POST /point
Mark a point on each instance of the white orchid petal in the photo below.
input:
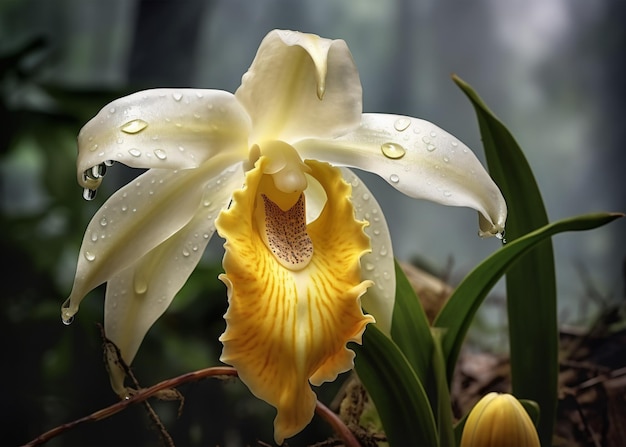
(301, 85)
(378, 265)
(138, 295)
(163, 128)
(137, 218)
(419, 159)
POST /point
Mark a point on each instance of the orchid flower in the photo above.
(307, 246)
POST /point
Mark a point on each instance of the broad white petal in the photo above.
(419, 159)
(378, 265)
(301, 85)
(163, 128)
(138, 295)
(137, 218)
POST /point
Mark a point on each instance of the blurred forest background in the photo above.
(552, 70)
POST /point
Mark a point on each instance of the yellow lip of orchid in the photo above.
(299, 105)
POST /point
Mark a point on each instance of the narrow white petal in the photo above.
(301, 85)
(419, 159)
(137, 218)
(378, 265)
(138, 295)
(163, 128)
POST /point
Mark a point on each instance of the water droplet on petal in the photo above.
(177, 96)
(383, 251)
(500, 235)
(454, 143)
(160, 154)
(369, 266)
(394, 178)
(67, 321)
(98, 170)
(431, 147)
(447, 193)
(140, 285)
(103, 222)
(433, 134)
(94, 237)
(89, 194)
(365, 196)
(186, 252)
(134, 126)
(134, 152)
(402, 124)
(90, 256)
(392, 150)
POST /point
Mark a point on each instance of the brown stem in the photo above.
(348, 438)
(141, 395)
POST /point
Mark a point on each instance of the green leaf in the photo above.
(457, 314)
(410, 329)
(396, 391)
(531, 283)
(442, 406)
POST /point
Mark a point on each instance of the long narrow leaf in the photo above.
(458, 312)
(396, 391)
(531, 283)
(410, 329)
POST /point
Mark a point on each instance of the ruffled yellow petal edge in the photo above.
(285, 327)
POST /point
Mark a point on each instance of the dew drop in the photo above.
(500, 235)
(134, 152)
(160, 154)
(94, 237)
(103, 222)
(446, 159)
(394, 178)
(98, 170)
(402, 124)
(369, 267)
(454, 143)
(124, 208)
(186, 252)
(134, 126)
(140, 285)
(90, 256)
(89, 194)
(67, 321)
(383, 251)
(447, 193)
(365, 197)
(177, 96)
(392, 150)
(112, 110)
(431, 147)
(433, 134)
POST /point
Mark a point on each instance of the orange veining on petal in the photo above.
(287, 327)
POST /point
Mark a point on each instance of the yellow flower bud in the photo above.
(499, 420)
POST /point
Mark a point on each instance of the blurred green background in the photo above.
(551, 69)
